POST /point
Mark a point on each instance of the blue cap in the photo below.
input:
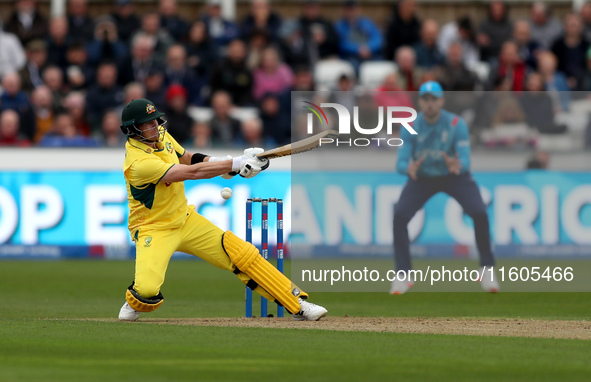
(431, 87)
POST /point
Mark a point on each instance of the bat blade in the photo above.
(300, 146)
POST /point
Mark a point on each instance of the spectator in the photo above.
(30, 74)
(494, 31)
(292, 99)
(276, 124)
(260, 17)
(10, 134)
(13, 97)
(53, 78)
(555, 82)
(539, 161)
(106, 44)
(488, 103)
(179, 122)
(233, 76)
(201, 51)
(104, 95)
(75, 105)
(293, 48)
(409, 75)
(545, 29)
(427, 52)
(79, 23)
(460, 31)
(528, 48)
(310, 37)
(177, 72)
(360, 38)
(318, 32)
(571, 51)
(201, 133)
(126, 20)
(273, 76)
(225, 129)
(586, 84)
(26, 22)
(131, 91)
(171, 21)
(256, 45)
(251, 132)
(585, 13)
(160, 38)
(508, 111)
(63, 134)
(12, 54)
(389, 93)
(78, 73)
(57, 42)
(141, 62)
(454, 75)
(111, 135)
(510, 67)
(403, 28)
(43, 111)
(303, 80)
(155, 91)
(344, 95)
(538, 107)
(221, 30)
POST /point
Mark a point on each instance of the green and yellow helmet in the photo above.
(141, 111)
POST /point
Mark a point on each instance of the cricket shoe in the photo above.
(402, 286)
(488, 280)
(309, 311)
(127, 313)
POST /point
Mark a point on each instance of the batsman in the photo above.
(437, 159)
(161, 222)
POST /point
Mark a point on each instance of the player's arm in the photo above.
(202, 170)
(404, 152)
(462, 144)
(192, 158)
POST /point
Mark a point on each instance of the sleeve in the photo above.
(347, 46)
(462, 144)
(404, 152)
(375, 37)
(147, 170)
(180, 150)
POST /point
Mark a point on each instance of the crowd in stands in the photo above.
(66, 79)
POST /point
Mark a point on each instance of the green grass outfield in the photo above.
(42, 338)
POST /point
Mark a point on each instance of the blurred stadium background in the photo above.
(223, 71)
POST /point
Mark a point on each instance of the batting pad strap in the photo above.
(247, 258)
(142, 304)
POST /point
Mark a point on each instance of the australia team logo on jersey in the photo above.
(169, 147)
(148, 241)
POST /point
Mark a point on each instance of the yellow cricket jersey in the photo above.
(153, 204)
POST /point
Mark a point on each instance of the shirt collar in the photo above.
(142, 146)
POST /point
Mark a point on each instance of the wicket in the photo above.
(265, 245)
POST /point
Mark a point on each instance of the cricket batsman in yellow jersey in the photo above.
(161, 222)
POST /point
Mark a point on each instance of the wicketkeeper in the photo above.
(161, 222)
(437, 159)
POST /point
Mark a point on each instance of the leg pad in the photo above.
(142, 304)
(247, 259)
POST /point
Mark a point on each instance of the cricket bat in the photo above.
(300, 146)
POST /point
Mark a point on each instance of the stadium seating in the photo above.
(373, 73)
(328, 72)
